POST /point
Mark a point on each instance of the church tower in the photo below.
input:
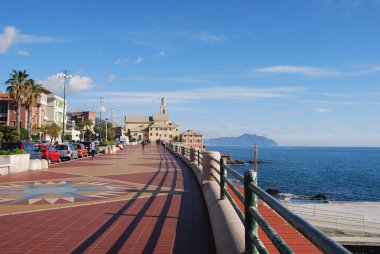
(163, 106)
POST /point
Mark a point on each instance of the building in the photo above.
(81, 116)
(39, 112)
(155, 127)
(191, 138)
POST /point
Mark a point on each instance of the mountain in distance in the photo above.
(243, 140)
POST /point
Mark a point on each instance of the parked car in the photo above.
(28, 147)
(82, 150)
(67, 151)
(49, 153)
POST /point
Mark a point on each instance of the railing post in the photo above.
(192, 154)
(223, 186)
(250, 199)
(199, 159)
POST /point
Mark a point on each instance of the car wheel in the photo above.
(49, 161)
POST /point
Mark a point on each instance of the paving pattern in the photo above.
(133, 201)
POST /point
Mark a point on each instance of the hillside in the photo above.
(245, 139)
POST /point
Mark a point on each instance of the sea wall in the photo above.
(227, 228)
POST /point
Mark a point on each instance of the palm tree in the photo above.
(87, 123)
(16, 89)
(32, 92)
(9, 134)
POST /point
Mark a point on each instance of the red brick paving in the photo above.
(290, 235)
(165, 222)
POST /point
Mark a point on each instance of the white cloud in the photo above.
(208, 38)
(316, 72)
(290, 113)
(22, 53)
(139, 60)
(75, 84)
(214, 93)
(322, 110)
(7, 38)
(121, 61)
(12, 36)
(160, 55)
(111, 78)
(303, 70)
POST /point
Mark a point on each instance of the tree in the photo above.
(87, 124)
(9, 134)
(53, 130)
(32, 91)
(16, 89)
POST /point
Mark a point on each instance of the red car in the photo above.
(49, 153)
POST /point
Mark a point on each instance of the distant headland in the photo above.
(243, 140)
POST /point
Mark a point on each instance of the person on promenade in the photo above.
(143, 144)
(93, 149)
(164, 144)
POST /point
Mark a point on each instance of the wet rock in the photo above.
(273, 192)
(319, 197)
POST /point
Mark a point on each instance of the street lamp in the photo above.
(106, 128)
(100, 100)
(65, 75)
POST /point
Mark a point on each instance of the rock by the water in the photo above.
(319, 197)
(273, 191)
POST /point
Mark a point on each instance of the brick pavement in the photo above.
(133, 201)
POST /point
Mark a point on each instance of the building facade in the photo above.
(155, 127)
(191, 138)
(39, 112)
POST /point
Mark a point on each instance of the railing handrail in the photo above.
(319, 239)
(325, 244)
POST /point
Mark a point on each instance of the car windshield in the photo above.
(78, 146)
(62, 147)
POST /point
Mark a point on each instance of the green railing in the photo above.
(251, 217)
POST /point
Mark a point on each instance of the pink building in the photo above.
(191, 138)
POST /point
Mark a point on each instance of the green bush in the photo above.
(107, 143)
(18, 151)
(14, 151)
(5, 152)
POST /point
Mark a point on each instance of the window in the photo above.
(156, 134)
(156, 129)
(151, 134)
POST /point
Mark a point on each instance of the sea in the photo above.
(340, 173)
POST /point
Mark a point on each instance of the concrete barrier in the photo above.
(18, 163)
(227, 228)
(208, 164)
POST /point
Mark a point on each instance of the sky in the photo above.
(304, 73)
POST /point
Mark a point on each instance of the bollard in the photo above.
(210, 161)
(109, 149)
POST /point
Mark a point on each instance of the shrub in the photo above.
(5, 152)
(107, 143)
(18, 151)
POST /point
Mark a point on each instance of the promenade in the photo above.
(133, 201)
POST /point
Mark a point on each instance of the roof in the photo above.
(139, 128)
(190, 132)
(164, 125)
(137, 119)
(160, 117)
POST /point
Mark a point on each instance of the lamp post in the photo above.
(106, 128)
(100, 100)
(65, 75)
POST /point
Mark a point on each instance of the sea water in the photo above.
(343, 174)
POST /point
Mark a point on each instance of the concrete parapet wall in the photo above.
(227, 228)
(20, 163)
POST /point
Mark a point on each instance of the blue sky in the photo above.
(305, 73)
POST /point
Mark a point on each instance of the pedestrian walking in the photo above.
(143, 144)
(164, 145)
(93, 149)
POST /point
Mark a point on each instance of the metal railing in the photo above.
(251, 217)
